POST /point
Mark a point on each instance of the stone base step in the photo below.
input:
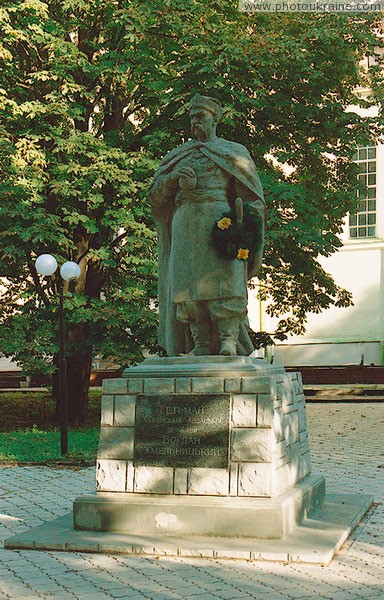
(315, 541)
(147, 514)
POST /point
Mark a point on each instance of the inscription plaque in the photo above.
(189, 430)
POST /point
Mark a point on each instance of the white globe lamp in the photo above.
(70, 271)
(46, 264)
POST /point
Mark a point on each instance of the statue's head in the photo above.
(204, 112)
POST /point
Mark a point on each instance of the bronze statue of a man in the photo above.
(203, 295)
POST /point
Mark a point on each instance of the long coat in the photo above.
(198, 273)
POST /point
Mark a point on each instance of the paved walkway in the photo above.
(347, 444)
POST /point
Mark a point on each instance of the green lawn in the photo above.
(28, 433)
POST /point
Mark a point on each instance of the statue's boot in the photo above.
(228, 335)
(201, 335)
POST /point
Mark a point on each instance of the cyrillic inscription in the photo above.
(189, 430)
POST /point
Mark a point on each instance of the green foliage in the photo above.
(27, 435)
(24, 410)
(92, 95)
(69, 185)
(43, 447)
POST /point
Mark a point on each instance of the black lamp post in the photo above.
(46, 265)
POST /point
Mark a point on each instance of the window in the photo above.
(363, 223)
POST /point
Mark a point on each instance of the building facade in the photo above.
(353, 335)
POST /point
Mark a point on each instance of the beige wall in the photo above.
(343, 335)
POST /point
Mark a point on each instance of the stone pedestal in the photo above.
(204, 457)
(214, 446)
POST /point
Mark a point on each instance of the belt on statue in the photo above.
(199, 198)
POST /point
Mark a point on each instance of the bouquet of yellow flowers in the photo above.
(238, 237)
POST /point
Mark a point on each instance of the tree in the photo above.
(93, 95)
(68, 187)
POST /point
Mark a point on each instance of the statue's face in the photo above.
(203, 124)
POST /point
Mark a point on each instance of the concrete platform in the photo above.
(148, 514)
(202, 366)
(315, 541)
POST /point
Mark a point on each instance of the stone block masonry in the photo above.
(268, 442)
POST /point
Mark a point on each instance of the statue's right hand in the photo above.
(187, 178)
(185, 172)
(183, 177)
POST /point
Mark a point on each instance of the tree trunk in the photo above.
(79, 371)
(79, 364)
